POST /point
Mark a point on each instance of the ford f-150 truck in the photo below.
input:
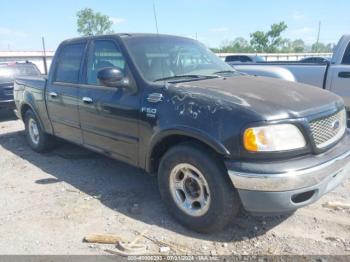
(333, 76)
(216, 139)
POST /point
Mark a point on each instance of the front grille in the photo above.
(6, 89)
(328, 130)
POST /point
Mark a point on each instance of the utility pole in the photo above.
(318, 35)
(44, 55)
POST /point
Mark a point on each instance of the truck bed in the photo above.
(312, 74)
(32, 89)
(38, 82)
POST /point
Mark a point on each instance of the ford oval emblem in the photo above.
(336, 125)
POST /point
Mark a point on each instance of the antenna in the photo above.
(155, 16)
(44, 55)
(318, 35)
(159, 45)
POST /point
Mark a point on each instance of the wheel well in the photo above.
(24, 109)
(164, 145)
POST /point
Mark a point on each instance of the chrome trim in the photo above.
(292, 180)
(33, 131)
(317, 126)
(155, 98)
(53, 94)
(190, 190)
(87, 100)
(6, 101)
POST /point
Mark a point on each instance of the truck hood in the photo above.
(271, 99)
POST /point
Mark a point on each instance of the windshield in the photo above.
(12, 71)
(165, 57)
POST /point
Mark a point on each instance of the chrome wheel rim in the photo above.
(189, 190)
(33, 131)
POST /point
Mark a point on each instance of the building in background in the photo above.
(36, 57)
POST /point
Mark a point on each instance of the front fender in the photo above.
(187, 132)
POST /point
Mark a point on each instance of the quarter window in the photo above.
(69, 63)
(104, 54)
(346, 58)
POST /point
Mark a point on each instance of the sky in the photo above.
(23, 23)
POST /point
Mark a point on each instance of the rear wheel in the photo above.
(37, 139)
(196, 189)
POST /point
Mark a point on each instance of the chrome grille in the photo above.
(327, 130)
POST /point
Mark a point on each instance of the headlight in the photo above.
(273, 138)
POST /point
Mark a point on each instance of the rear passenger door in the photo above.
(109, 115)
(62, 92)
(340, 78)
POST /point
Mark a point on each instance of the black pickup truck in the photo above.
(8, 72)
(216, 139)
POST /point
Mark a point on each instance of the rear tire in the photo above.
(195, 187)
(37, 139)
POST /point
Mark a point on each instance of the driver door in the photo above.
(108, 115)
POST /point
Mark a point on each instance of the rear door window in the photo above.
(346, 58)
(69, 63)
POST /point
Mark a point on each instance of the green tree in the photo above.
(270, 41)
(259, 41)
(91, 23)
(322, 48)
(239, 45)
(298, 46)
(286, 46)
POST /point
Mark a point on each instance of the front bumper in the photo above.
(283, 186)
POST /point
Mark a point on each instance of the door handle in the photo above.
(344, 74)
(53, 94)
(87, 100)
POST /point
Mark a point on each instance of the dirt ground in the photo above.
(49, 202)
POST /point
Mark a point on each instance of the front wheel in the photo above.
(196, 189)
(37, 139)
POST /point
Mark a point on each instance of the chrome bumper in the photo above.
(294, 179)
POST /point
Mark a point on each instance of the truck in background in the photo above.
(8, 72)
(333, 76)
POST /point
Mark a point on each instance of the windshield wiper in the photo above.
(184, 76)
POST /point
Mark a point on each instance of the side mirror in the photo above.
(112, 77)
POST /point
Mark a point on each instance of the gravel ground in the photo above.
(49, 202)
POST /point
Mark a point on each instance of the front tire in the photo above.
(196, 189)
(37, 139)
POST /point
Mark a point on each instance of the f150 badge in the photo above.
(152, 98)
(150, 112)
(336, 125)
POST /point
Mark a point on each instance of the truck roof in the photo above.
(123, 35)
